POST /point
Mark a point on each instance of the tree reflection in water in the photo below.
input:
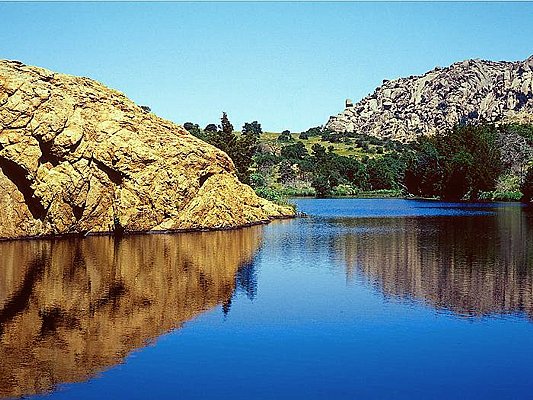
(471, 265)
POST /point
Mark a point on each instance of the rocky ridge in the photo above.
(78, 157)
(471, 90)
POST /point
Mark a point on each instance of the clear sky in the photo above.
(286, 65)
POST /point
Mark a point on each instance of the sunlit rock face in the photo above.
(78, 157)
(465, 265)
(71, 308)
(467, 91)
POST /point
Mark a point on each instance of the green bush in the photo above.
(257, 180)
(497, 195)
(275, 196)
(345, 190)
(269, 193)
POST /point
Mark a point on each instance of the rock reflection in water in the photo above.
(71, 308)
(471, 266)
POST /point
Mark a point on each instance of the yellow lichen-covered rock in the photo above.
(78, 157)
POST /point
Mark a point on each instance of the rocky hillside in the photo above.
(471, 90)
(78, 157)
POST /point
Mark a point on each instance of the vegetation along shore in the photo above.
(468, 162)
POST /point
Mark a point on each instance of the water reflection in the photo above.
(470, 265)
(71, 308)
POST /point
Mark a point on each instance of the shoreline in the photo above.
(80, 235)
(404, 197)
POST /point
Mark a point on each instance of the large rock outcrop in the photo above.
(472, 90)
(78, 157)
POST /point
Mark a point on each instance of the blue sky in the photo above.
(287, 65)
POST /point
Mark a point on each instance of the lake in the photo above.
(365, 298)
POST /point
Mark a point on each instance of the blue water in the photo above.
(365, 298)
(387, 208)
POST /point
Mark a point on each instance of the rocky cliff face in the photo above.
(471, 90)
(76, 156)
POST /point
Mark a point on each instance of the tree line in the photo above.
(468, 162)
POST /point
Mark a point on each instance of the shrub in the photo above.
(257, 180)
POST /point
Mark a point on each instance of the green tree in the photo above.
(243, 155)
(286, 172)
(384, 172)
(472, 160)
(315, 131)
(326, 171)
(211, 128)
(252, 128)
(424, 172)
(319, 154)
(458, 164)
(223, 137)
(527, 187)
(265, 160)
(285, 136)
(240, 148)
(296, 151)
(194, 130)
(322, 185)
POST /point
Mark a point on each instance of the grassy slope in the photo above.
(301, 189)
(342, 149)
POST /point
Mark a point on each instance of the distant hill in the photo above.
(471, 90)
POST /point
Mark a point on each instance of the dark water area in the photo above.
(366, 298)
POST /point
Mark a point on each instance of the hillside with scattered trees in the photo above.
(468, 162)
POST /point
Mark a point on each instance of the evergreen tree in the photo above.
(252, 128)
(224, 138)
(240, 148)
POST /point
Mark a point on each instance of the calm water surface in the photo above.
(364, 299)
